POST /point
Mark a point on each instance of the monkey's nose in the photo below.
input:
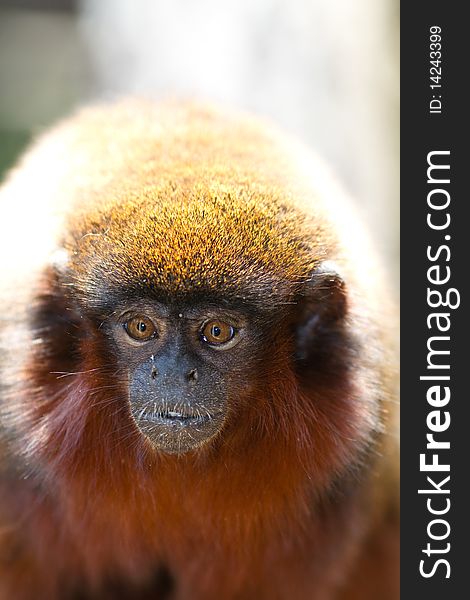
(192, 376)
(172, 371)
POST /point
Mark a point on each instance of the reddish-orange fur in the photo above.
(295, 499)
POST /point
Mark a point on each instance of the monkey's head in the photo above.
(201, 304)
(193, 306)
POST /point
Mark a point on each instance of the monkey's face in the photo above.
(207, 309)
(182, 364)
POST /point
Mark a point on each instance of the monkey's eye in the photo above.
(140, 328)
(217, 332)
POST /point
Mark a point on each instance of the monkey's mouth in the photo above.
(172, 417)
(176, 430)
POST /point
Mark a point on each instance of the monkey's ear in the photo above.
(322, 306)
(54, 317)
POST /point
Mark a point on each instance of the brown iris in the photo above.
(217, 332)
(140, 328)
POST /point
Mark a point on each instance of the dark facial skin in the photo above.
(180, 364)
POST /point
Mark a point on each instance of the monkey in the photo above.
(198, 367)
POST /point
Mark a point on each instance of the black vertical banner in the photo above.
(435, 251)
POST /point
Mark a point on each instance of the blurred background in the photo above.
(325, 70)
